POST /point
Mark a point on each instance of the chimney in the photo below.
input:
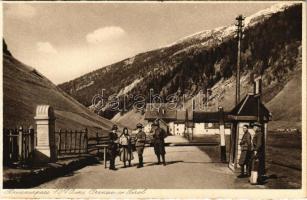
(258, 85)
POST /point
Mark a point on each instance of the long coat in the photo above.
(158, 141)
(258, 147)
(113, 145)
(126, 148)
(246, 148)
(140, 140)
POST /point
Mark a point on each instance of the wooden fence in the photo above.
(98, 140)
(19, 145)
(71, 142)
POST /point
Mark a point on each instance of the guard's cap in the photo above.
(257, 124)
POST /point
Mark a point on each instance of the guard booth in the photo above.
(247, 112)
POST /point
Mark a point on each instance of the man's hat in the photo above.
(139, 125)
(257, 124)
(114, 127)
(155, 123)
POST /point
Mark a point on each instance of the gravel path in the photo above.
(187, 167)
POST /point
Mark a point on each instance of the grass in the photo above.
(283, 157)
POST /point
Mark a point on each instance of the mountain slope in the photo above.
(24, 88)
(271, 47)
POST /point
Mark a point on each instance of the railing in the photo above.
(70, 142)
(19, 145)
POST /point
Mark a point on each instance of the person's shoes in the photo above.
(164, 164)
(113, 168)
(139, 166)
(159, 163)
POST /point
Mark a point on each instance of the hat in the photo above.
(156, 123)
(257, 124)
(139, 125)
(114, 127)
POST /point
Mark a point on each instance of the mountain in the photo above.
(271, 47)
(24, 88)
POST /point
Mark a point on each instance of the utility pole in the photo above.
(239, 25)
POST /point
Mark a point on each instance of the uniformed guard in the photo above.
(246, 151)
(158, 141)
(258, 149)
(140, 140)
(113, 145)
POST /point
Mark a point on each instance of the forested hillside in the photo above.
(271, 47)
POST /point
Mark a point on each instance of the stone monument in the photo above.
(45, 150)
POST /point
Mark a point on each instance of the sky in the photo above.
(66, 40)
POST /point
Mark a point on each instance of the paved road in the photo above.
(187, 167)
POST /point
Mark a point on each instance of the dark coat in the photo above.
(113, 145)
(140, 140)
(258, 147)
(158, 140)
(246, 148)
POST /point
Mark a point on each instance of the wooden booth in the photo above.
(247, 112)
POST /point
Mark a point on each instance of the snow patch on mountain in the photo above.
(129, 87)
(263, 14)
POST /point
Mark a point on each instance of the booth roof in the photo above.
(249, 107)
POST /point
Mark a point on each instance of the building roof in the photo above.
(200, 117)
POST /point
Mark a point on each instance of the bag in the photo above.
(253, 178)
(254, 171)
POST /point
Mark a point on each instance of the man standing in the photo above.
(258, 148)
(113, 147)
(140, 143)
(158, 141)
(246, 150)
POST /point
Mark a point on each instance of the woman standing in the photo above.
(126, 148)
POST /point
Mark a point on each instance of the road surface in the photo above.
(187, 167)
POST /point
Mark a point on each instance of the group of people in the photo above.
(252, 152)
(124, 145)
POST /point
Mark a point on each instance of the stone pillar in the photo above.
(222, 134)
(46, 150)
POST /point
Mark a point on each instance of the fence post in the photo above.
(65, 141)
(222, 134)
(60, 142)
(46, 150)
(80, 140)
(86, 140)
(20, 143)
(6, 151)
(76, 139)
(31, 135)
(97, 142)
(70, 145)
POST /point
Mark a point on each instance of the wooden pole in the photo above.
(222, 135)
(239, 25)
(20, 141)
